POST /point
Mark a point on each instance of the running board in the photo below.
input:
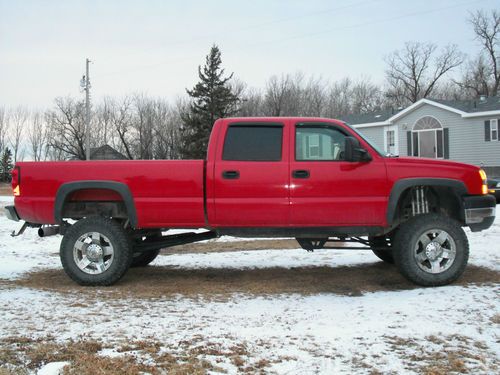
(173, 240)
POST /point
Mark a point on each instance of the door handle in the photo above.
(231, 175)
(300, 174)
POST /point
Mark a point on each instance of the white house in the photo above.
(466, 131)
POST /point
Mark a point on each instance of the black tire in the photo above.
(413, 259)
(144, 258)
(381, 248)
(77, 241)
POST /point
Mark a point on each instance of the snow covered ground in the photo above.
(453, 328)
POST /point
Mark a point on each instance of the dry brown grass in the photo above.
(5, 190)
(20, 355)
(455, 354)
(495, 319)
(156, 281)
(223, 247)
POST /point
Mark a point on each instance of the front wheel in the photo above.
(431, 250)
(96, 251)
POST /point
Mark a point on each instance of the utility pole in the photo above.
(86, 86)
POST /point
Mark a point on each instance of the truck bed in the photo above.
(164, 191)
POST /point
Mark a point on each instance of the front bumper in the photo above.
(479, 212)
(11, 213)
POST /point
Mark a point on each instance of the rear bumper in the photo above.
(11, 213)
(479, 212)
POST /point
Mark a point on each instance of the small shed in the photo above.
(106, 152)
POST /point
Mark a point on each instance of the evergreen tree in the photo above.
(6, 165)
(212, 98)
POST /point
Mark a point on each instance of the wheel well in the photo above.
(111, 199)
(87, 202)
(423, 199)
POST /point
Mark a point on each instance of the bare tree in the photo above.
(313, 98)
(18, 122)
(103, 124)
(365, 96)
(37, 137)
(338, 100)
(252, 103)
(67, 129)
(414, 72)
(121, 119)
(482, 75)
(277, 91)
(143, 126)
(4, 127)
(167, 122)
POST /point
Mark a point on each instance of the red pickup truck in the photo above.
(314, 179)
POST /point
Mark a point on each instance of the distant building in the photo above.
(106, 152)
(465, 131)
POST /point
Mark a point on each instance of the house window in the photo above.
(390, 139)
(494, 129)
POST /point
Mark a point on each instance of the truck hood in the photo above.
(438, 163)
(412, 167)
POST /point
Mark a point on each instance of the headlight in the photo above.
(484, 178)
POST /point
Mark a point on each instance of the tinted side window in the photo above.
(318, 143)
(253, 143)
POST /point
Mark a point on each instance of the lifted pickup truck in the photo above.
(314, 179)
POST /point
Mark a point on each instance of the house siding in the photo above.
(466, 135)
(374, 134)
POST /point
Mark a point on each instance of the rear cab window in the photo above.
(253, 142)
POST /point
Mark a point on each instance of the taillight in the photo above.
(484, 178)
(16, 181)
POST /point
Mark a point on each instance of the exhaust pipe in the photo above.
(48, 231)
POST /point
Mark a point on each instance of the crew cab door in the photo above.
(251, 175)
(325, 189)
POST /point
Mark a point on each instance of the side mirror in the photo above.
(354, 152)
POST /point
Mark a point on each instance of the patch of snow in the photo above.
(53, 368)
(22, 254)
(267, 259)
(325, 333)
(314, 333)
(6, 199)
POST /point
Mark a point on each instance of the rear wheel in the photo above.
(95, 251)
(431, 250)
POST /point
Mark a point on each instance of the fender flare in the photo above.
(66, 189)
(403, 184)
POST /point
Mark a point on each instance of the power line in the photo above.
(255, 26)
(299, 36)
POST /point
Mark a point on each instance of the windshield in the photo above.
(370, 142)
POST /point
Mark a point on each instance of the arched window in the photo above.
(427, 123)
(428, 138)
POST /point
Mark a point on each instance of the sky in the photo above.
(155, 47)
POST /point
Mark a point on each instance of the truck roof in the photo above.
(280, 118)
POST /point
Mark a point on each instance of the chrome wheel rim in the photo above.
(435, 251)
(93, 253)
